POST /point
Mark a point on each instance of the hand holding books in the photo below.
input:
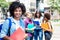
(19, 34)
(30, 27)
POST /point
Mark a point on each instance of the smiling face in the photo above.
(29, 15)
(17, 12)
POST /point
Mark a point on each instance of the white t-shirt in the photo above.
(17, 22)
(40, 20)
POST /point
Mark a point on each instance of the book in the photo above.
(36, 22)
(18, 35)
(30, 27)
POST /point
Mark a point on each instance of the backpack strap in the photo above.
(8, 33)
(0, 27)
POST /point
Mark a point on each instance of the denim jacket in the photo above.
(5, 27)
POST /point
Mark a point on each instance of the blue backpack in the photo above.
(8, 34)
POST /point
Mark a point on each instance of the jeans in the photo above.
(38, 33)
(48, 35)
(30, 37)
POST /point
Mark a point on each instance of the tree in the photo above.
(54, 4)
(4, 4)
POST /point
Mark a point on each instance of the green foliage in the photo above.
(4, 4)
(2, 1)
(55, 4)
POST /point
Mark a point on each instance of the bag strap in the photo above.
(8, 33)
(51, 26)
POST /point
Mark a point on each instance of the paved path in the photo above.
(56, 33)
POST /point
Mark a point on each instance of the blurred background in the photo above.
(51, 6)
(44, 6)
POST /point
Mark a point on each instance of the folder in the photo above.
(18, 35)
(36, 22)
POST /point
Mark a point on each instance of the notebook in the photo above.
(18, 34)
(36, 22)
(30, 26)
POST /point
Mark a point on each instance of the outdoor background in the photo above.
(44, 6)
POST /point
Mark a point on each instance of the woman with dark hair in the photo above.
(38, 30)
(47, 27)
(16, 10)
